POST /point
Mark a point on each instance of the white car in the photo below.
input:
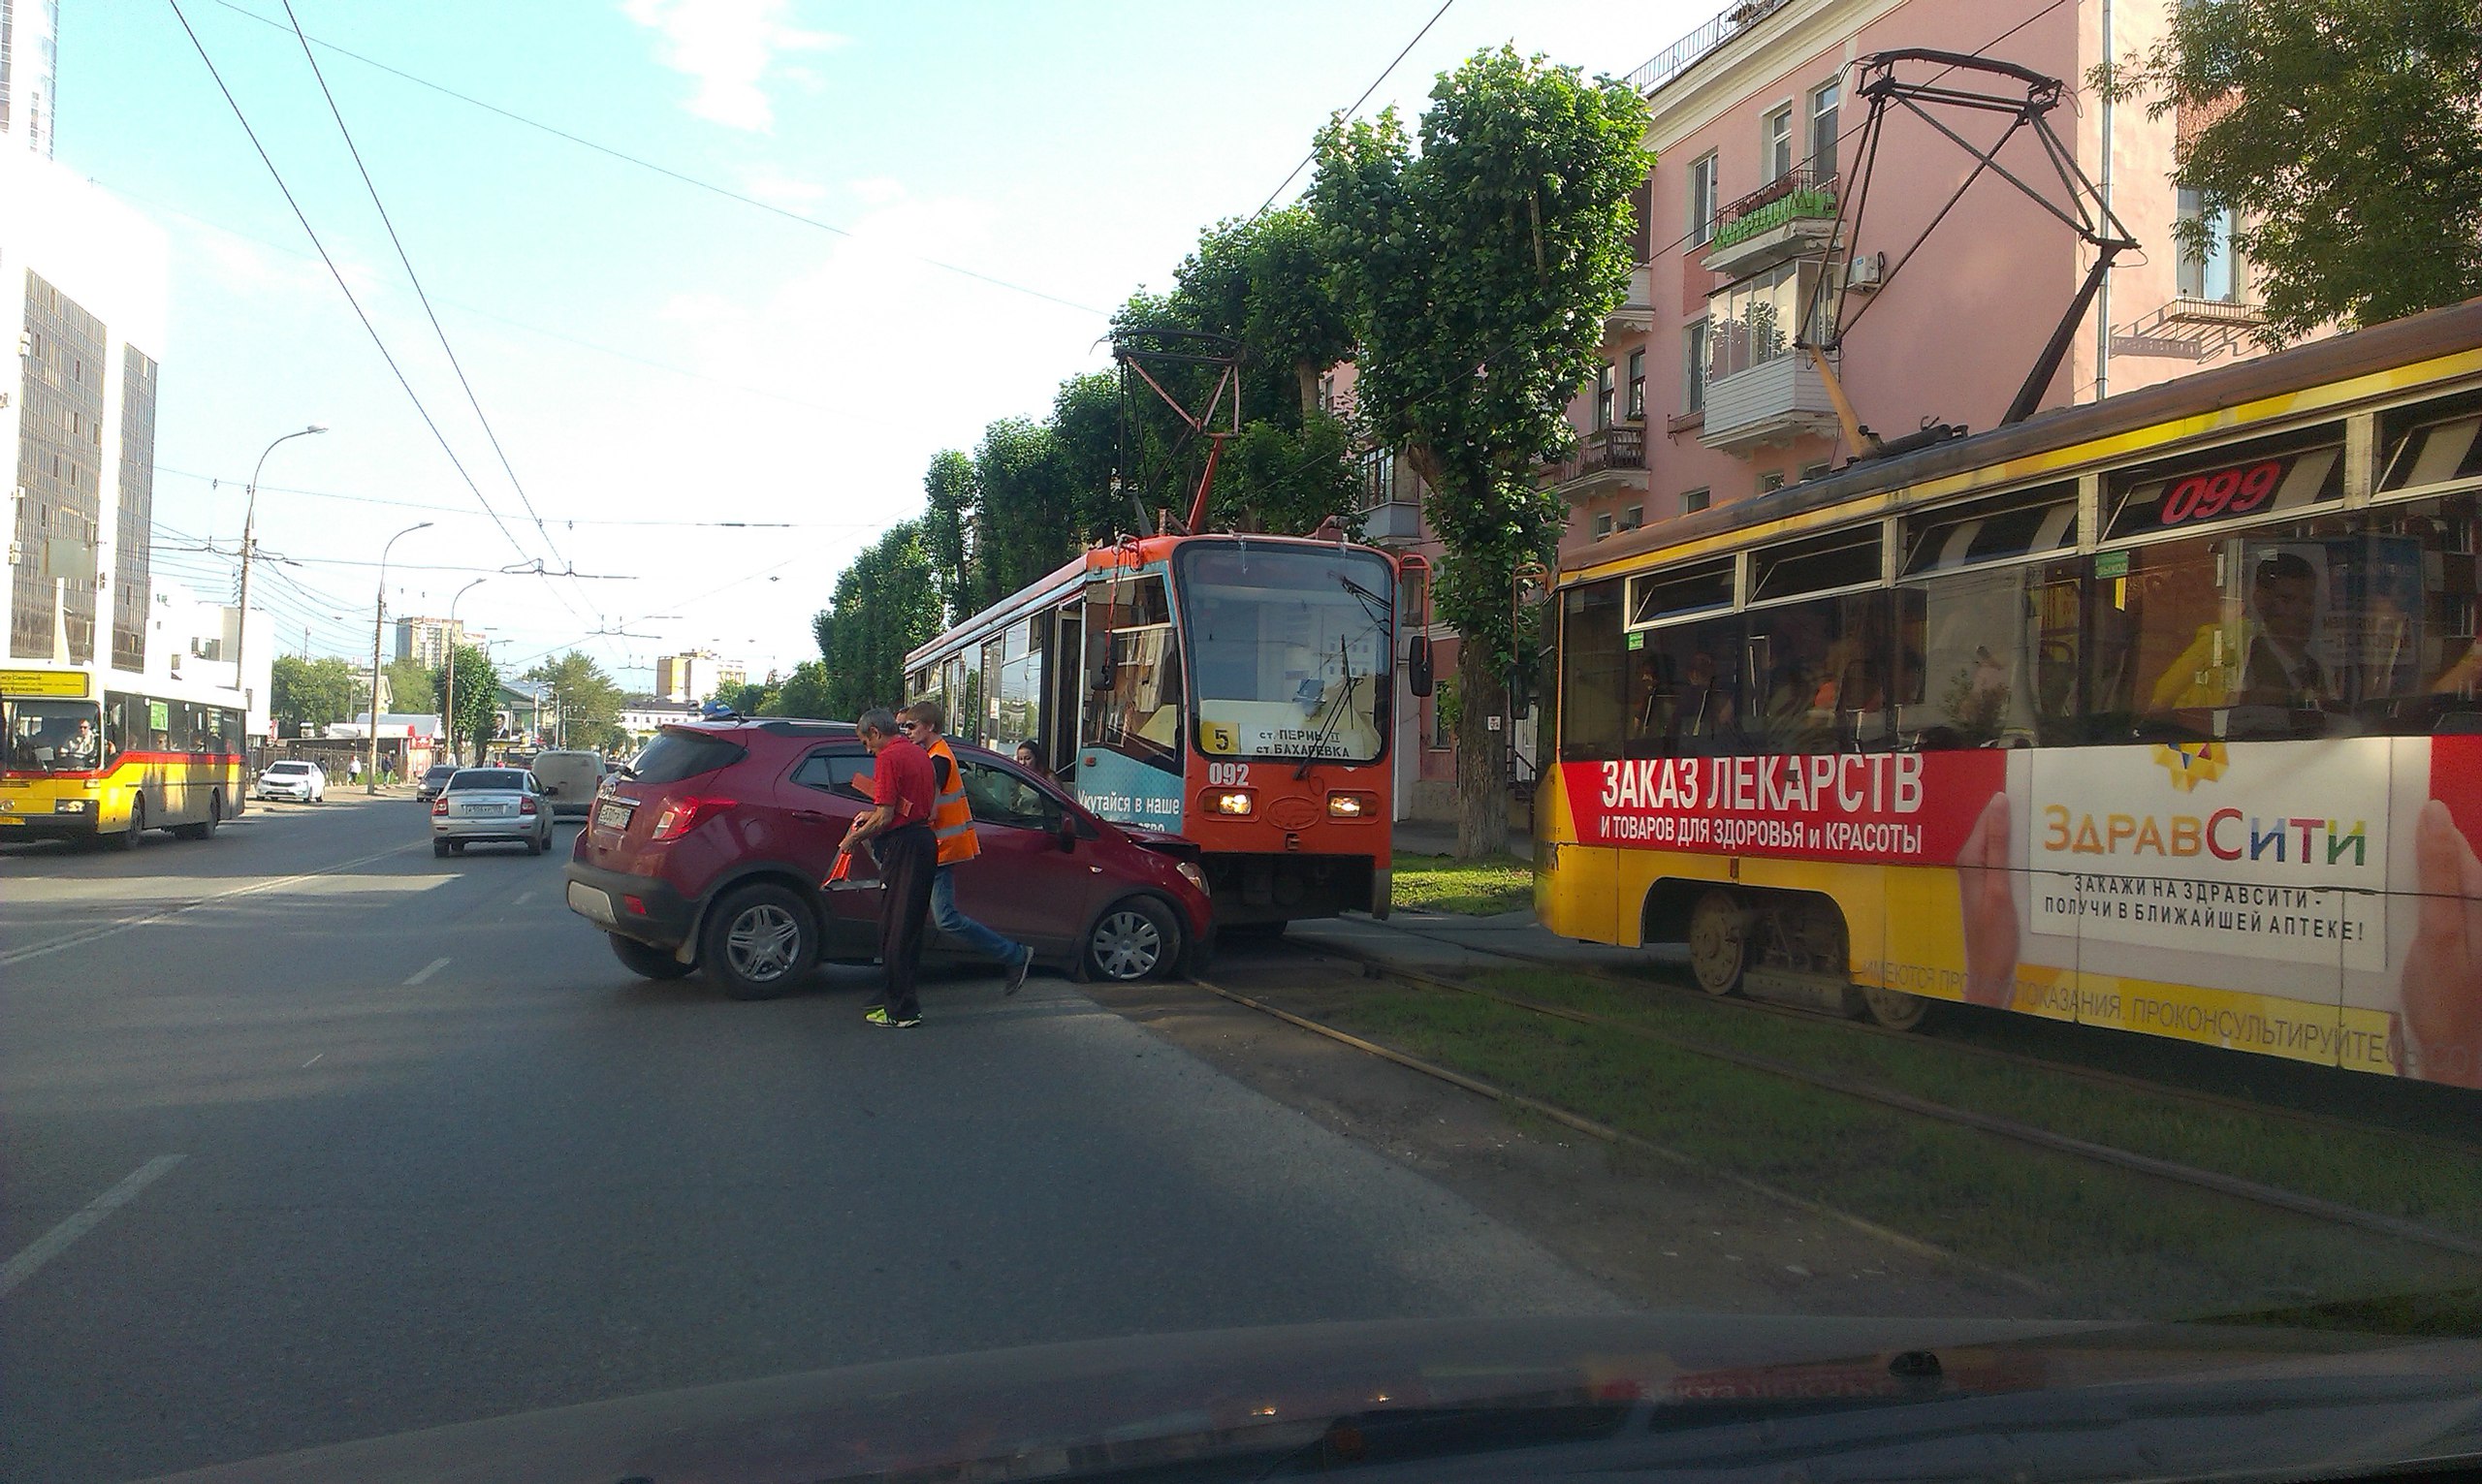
(300, 782)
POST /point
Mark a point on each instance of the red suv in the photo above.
(709, 850)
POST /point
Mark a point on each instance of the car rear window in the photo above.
(473, 779)
(443, 770)
(676, 755)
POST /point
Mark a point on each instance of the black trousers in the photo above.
(908, 856)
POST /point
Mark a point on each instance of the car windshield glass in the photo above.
(53, 736)
(474, 778)
(676, 755)
(287, 769)
(1289, 648)
(443, 770)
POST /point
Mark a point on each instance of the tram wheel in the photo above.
(1719, 940)
(1894, 1008)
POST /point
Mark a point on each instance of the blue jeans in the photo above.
(955, 924)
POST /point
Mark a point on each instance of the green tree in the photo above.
(747, 698)
(478, 690)
(310, 693)
(1476, 274)
(2345, 139)
(587, 700)
(806, 692)
(886, 604)
(409, 681)
(947, 523)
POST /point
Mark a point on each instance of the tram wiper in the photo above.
(1335, 711)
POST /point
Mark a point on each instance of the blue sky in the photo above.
(650, 352)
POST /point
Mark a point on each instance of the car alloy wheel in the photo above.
(1132, 941)
(758, 942)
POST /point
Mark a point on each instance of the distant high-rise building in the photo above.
(428, 639)
(695, 675)
(29, 60)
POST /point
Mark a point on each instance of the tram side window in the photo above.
(1819, 675)
(1990, 658)
(1591, 709)
(1685, 689)
(1141, 713)
(2409, 642)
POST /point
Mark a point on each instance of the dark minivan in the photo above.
(708, 851)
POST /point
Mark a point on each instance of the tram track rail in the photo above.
(2444, 1144)
(2215, 1181)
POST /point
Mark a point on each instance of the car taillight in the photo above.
(439, 805)
(526, 806)
(682, 815)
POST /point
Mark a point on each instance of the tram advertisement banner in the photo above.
(2319, 901)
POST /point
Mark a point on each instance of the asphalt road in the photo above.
(309, 1136)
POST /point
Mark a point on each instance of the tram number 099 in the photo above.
(2224, 492)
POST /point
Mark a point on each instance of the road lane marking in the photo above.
(16, 1270)
(522, 898)
(141, 919)
(306, 1066)
(427, 970)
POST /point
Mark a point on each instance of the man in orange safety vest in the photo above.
(952, 826)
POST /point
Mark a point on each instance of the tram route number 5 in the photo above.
(1227, 774)
(1219, 737)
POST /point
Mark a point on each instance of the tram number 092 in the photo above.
(2223, 493)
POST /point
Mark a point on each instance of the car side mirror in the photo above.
(1418, 665)
(549, 789)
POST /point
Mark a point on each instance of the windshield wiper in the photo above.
(1336, 711)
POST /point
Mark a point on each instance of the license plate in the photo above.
(590, 903)
(11, 819)
(491, 810)
(612, 816)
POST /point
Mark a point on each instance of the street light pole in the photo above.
(378, 619)
(249, 531)
(449, 707)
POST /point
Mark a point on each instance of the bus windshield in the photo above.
(1289, 649)
(53, 736)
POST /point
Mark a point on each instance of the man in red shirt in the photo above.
(903, 793)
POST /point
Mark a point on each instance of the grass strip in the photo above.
(2372, 1170)
(1477, 887)
(2109, 1240)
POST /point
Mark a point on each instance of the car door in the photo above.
(1034, 881)
(820, 800)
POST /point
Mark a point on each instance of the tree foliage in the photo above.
(478, 691)
(887, 603)
(1476, 273)
(586, 700)
(409, 684)
(2345, 137)
(310, 693)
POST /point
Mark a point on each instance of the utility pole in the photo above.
(249, 531)
(378, 619)
(449, 706)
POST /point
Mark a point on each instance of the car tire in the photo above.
(536, 844)
(1134, 939)
(758, 942)
(646, 960)
(205, 829)
(128, 839)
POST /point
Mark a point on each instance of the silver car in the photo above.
(489, 803)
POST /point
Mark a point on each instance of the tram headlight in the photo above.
(71, 805)
(1237, 802)
(1352, 805)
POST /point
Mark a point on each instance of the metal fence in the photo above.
(1675, 58)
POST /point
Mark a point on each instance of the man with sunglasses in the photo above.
(952, 826)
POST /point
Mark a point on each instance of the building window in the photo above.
(1775, 145)
(1811, 471)
(1824, 104)
(1770, 481)
(1603, 525)
(1691, 502)
(2218, 275)
(1693, 378)
(1632, 517)
(1702, 205)
(1603, 394)
(1637, 385)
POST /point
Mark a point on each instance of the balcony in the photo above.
(1785, 218)
(1774, 402)
(1636, 313)
(1605, 459)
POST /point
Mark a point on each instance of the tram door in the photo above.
(1065, 672)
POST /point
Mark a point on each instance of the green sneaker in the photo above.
(879, 1017)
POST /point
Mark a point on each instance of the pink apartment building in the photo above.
(1702, 399)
